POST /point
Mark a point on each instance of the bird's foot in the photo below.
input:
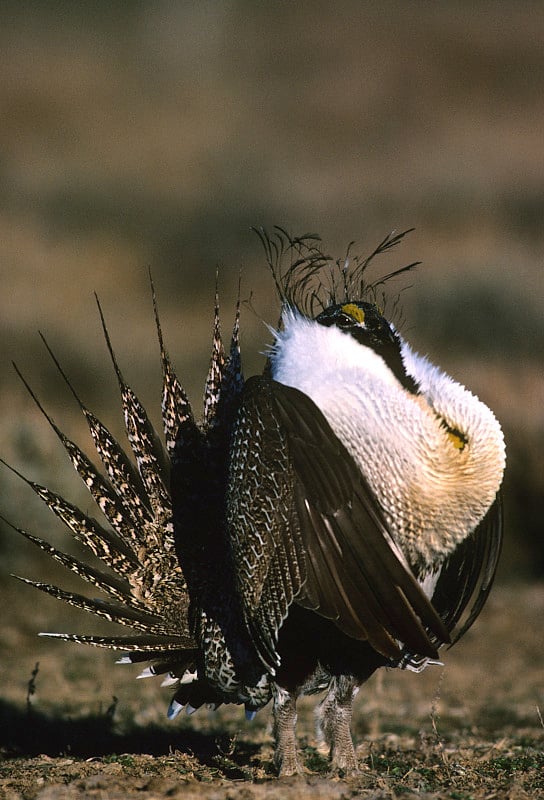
(287, 764)
(344, 760)
(333, 724)
(285, 717)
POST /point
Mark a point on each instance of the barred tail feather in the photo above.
(117, 588)
(225, 377)
(233, 379)
(144, 441)
(212, 389)
(125, 478)
(138, 648)
(132, 617)
(177, 415)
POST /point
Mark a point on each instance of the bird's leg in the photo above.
(334, 720)
(285, 719)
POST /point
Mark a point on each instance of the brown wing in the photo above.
(305, 528)
(467, 575)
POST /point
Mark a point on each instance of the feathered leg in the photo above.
(285, 720)
(334, 721)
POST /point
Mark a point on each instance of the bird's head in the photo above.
(365, 323)
(361, 320)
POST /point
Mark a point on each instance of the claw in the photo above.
(250, 714)
(174, 709)
(148, 672)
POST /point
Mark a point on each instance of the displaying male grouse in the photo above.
(338, 513)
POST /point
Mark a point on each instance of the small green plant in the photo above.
(125, 759)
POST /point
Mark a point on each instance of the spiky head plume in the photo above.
(310, 280)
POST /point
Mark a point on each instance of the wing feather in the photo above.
(468, 575)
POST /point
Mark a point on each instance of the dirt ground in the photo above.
(81, 728)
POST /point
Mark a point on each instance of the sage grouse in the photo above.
(338, 513)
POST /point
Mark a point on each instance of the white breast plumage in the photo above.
(434, 459)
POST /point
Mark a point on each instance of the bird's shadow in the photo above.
(28, 732)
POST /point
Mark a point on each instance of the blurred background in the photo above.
(155, 134)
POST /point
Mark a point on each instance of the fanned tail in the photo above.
(143, 585)
(140, 577)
